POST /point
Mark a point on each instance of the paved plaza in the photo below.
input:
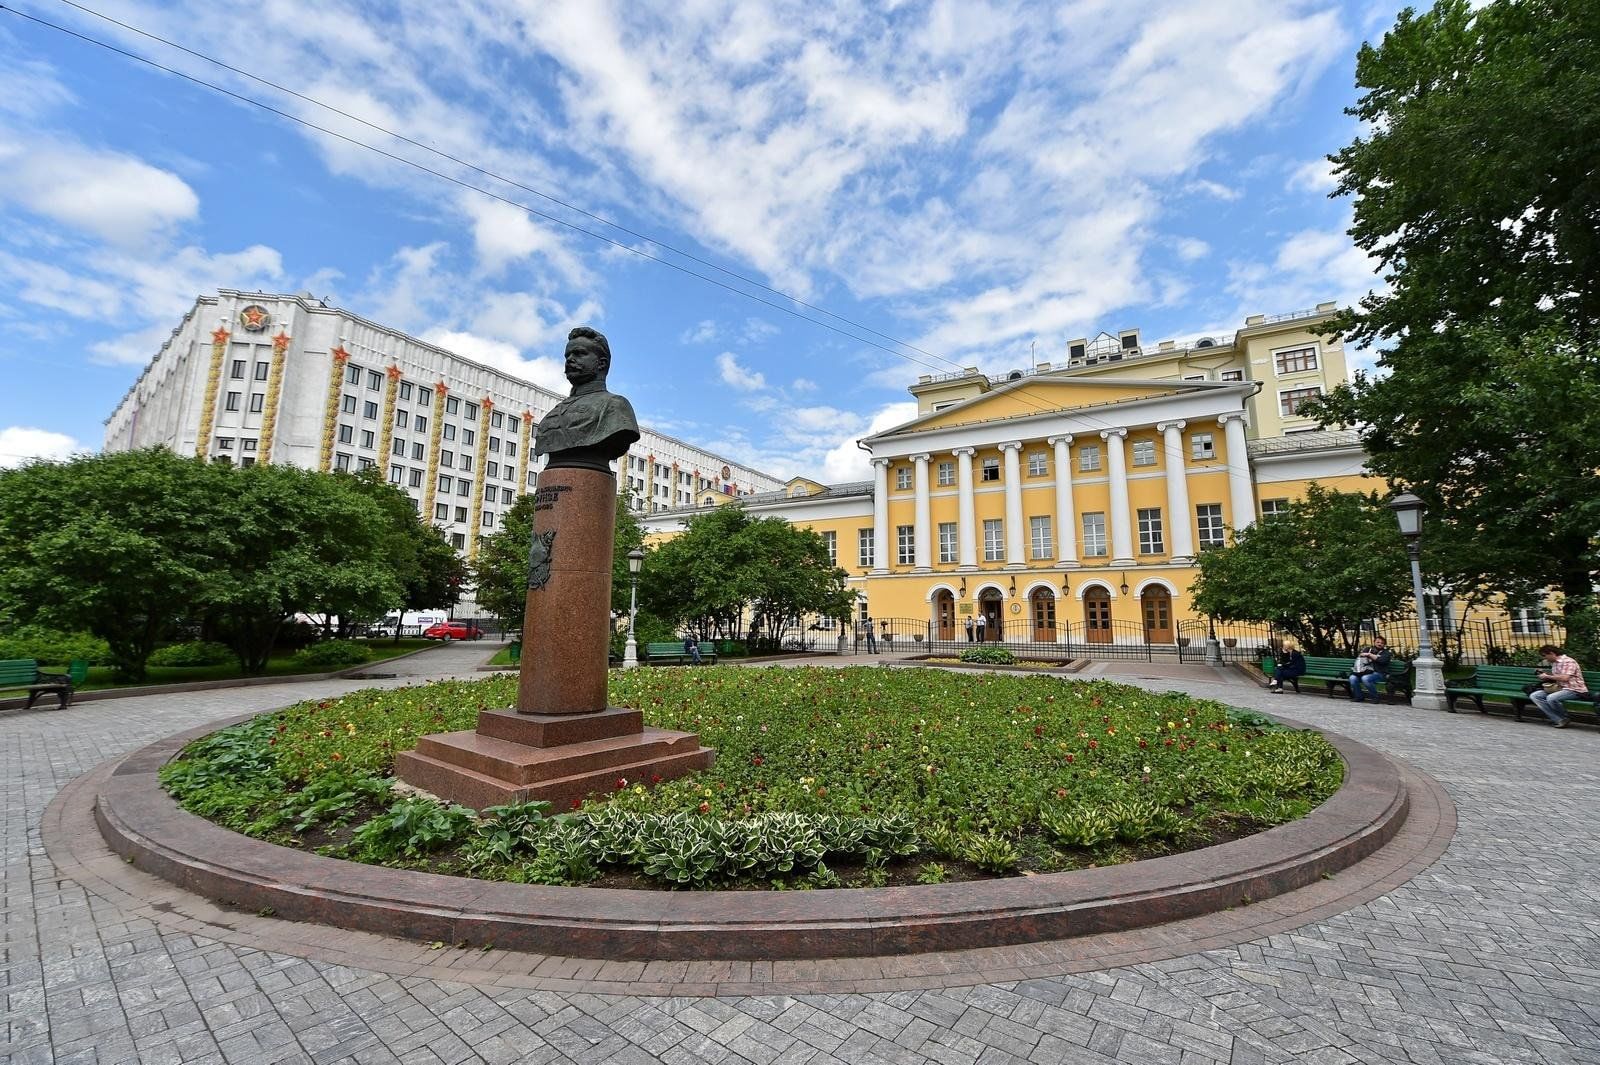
(1489, 954)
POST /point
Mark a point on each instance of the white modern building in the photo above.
(251, 377)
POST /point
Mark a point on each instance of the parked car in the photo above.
(453, 630)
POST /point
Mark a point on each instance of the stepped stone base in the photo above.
(560, 759)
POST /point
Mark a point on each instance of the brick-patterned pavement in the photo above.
(1491, 954)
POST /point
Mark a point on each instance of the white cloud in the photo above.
(110, 195)
(1190, 249)
(844, 461)
(736, 376)
(1214, 189)
(544, 371)
(504, 234)
(703, 332)
(1315, 176)
(802, 384)
(20, 444)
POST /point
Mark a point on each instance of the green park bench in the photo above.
(1334, 673)
(25, 673)
(673, 654)
(1508, 684)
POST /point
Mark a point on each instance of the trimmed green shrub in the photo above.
(989, 656)
(333, 654)
(53, 647)
(192, 653)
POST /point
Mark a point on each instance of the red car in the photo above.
(453, 630)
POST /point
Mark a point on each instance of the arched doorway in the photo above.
(1156, 605)
(993, 616)
(1097, 615)
(944, 614)
(1042, 607)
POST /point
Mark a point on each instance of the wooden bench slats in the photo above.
(1334, 673)
(25, 673)
(661, 653)
(1507, 684)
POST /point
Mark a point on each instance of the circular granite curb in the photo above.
(141, 823)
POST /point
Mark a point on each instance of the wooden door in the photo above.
(1044, 615)
(1097, 615)
(993, 617)
(1157, 608)
(944, 612)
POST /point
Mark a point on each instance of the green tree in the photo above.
(429, 570)
(501, 568)
(1334, 559)
(120, 545)
(293, 541)
(727, 564)
(1477, 187)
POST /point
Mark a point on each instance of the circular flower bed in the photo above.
(854, 777)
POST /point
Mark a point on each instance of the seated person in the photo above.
(1290, 665)
(691, 647)
(1371, 666)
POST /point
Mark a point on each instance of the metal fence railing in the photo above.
(920, 637)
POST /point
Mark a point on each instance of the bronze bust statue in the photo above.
(591, 427)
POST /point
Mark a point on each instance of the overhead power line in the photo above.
(475, 168)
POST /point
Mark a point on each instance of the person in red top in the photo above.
(1562, 670)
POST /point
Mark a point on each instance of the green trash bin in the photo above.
(515, 650)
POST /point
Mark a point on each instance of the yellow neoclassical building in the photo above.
(1067, 501)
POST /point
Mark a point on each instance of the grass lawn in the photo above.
(502, 657)
(283, 665)
(824, 778)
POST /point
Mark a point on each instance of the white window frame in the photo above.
(1152, 531)
(1041, 540)
(1089, 458)
(948, 546)
(1209, 530)
(1094, 534)
(994, 540)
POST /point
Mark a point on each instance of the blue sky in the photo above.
(982, 181)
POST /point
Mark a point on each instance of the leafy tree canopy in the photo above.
(1334, 559)
(1477, 187)
(727, 564)
(501, 568)
(118, 545)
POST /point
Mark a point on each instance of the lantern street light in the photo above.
(630, 654)
(1429, 691)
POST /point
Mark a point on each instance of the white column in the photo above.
(924, 529)
(1117, 515)
(1066, 517)
(880, 516)
(1240, 495)
(1016, 557)
(1178, 518)
(966, 511)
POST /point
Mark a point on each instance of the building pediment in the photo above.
(1051, 394)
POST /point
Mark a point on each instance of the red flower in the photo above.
(1094, 745)
(756, 760)
(622, 782)
(705, 807)
(1142, 743)
(1038, 730)
(1070, 759)
(655, 778)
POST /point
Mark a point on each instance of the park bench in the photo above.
(25, 673)
(673, 654)
(1335, 674)
(1508, 684)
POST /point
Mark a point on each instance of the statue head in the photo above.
(588, 356)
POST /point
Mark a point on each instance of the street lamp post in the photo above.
(630, 654)
(1429, 691)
